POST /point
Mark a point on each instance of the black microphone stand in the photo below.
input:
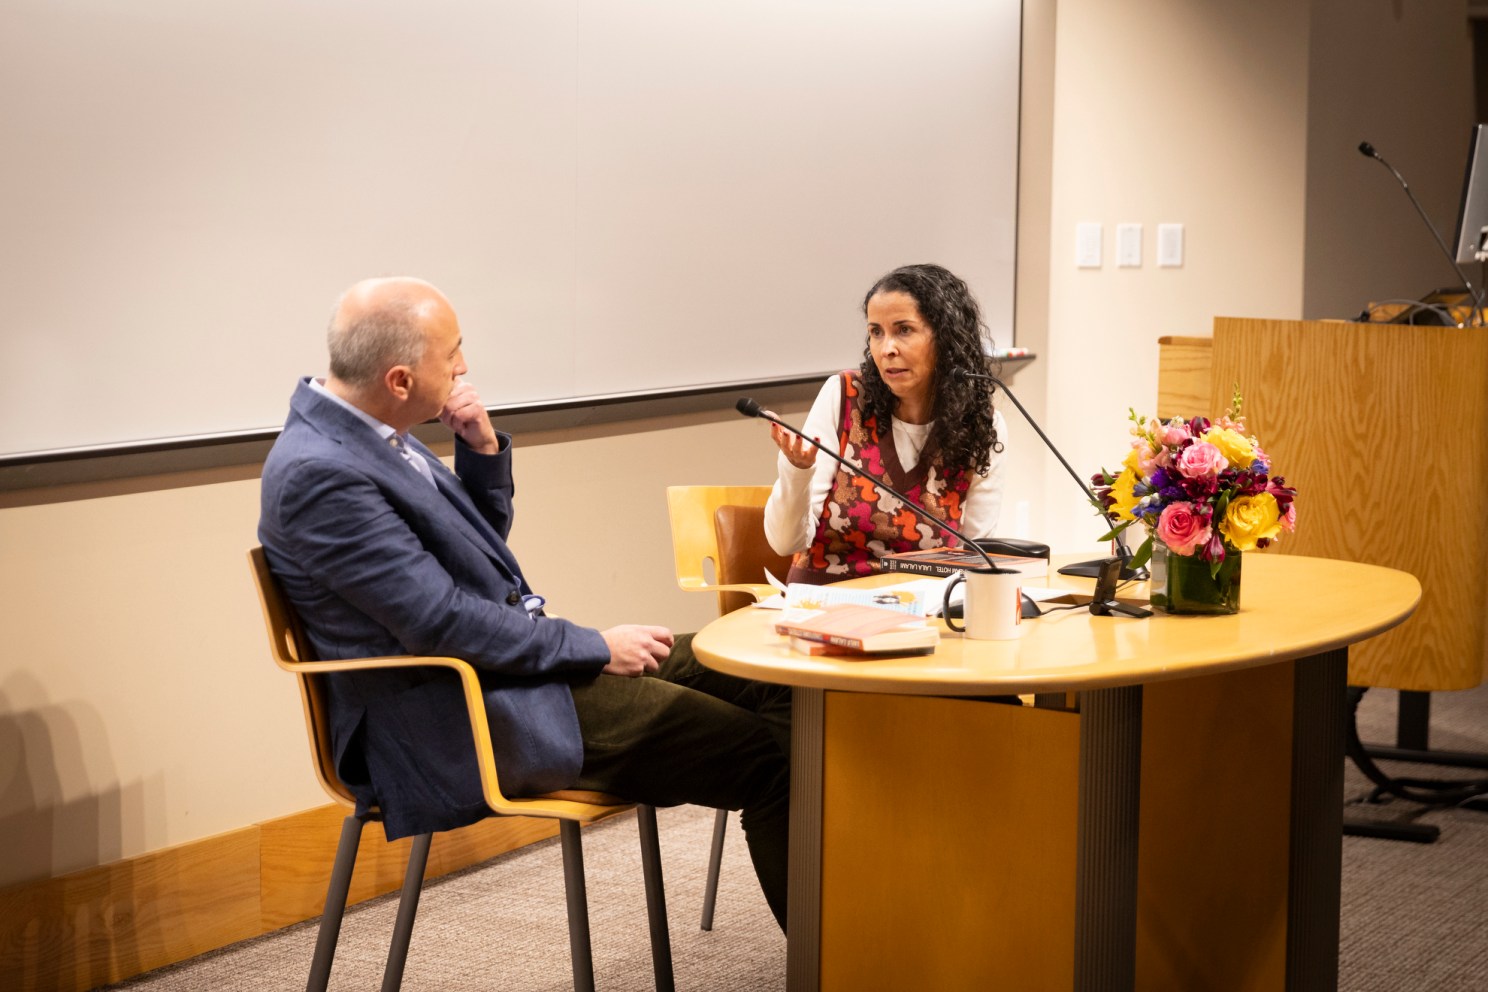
(1084, 569)
(1475, 318)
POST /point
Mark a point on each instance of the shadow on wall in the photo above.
(52, 824)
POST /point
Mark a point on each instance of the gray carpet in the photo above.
(503, 925)
(1415, 917)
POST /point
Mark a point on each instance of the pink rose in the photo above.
(1174, 434)
(1182, 528)
(1289, 519)
(1201, 460)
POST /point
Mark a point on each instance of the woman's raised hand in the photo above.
(796, 450)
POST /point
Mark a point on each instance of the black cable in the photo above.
(1055, 609)
(1444, 792)
(1412, 305)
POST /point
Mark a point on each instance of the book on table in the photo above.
(949, 561)
(860, 629)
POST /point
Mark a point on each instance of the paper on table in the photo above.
(777, 601)
(932, 589)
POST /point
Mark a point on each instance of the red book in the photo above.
(866, 629)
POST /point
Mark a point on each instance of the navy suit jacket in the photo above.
(378, 562)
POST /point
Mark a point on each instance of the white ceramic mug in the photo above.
(993, 608)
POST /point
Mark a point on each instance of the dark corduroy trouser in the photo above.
(691, 735)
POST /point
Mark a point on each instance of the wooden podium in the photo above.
(1380, 429)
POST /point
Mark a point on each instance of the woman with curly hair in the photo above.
(906, 416)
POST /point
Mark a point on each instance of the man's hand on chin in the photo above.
(464, 414)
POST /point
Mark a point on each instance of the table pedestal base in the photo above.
(1182, 834)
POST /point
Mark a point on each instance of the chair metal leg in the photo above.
(413, 883)
(715, 861)
(578, 906)
(335, 905)
(656, 915)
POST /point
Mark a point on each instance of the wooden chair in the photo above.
(693, 511)
(721, 529)
(292, 653)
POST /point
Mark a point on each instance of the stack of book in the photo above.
(857, 629)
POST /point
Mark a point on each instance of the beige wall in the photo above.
(1398, 75)
(1238, 120)
(138, 708)
(1165, 111)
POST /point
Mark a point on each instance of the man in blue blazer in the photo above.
(383, 550)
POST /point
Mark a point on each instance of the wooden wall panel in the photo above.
(1183, 366)
(1380, 428)
(105, 924)
(1382, 450)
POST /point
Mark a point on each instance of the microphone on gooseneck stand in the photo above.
(751, 408)
(1086, 569)
(1367, 150)
(1030, 609)
(1012, 546)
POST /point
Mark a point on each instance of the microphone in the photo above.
(749, 408)
(1367, 150)
(1098, 605)
(1086, 569)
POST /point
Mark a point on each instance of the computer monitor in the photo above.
(1472, 218)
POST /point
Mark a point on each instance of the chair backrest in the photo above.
(292, 653)
(692, 511)
(744, 555)
(289, 648)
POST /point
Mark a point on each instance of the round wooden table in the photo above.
(1168, 816)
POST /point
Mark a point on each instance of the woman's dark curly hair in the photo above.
(963, 427)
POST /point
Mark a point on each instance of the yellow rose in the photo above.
(1122, 492)
(1251, 518)
(1235, 447)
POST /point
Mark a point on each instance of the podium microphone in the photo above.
(1367, 150)
(1088, 569)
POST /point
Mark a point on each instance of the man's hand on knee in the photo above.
(635, 649)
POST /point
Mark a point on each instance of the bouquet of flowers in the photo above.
(1203, 488)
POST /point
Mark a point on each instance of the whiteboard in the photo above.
(616, 196)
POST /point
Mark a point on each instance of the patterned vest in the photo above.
(859, 520)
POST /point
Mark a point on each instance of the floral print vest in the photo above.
(860, 520)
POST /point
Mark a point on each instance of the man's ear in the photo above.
(399, 381)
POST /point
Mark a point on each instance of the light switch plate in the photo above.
(1169, 245)
(1088, 235)
(1129, 246)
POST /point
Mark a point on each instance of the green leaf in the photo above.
(1222, 506)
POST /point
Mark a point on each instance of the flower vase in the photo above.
(1183, 583)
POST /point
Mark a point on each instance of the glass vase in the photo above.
(1182, 583)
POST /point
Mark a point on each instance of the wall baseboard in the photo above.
(105, 924)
